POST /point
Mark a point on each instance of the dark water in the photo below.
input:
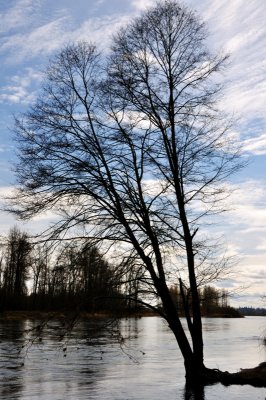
(136, 360)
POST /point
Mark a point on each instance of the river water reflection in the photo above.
(136, 360)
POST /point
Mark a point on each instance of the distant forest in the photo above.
(250, 311)
(77, 277)
(73, 277)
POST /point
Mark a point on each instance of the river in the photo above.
(135, 359)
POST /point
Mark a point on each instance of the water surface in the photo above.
(136, 360)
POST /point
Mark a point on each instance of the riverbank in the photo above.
(42, 315)
(249, 376)
(253, 376)
(36, 314)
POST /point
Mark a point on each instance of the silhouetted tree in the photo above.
(133, 150)
(98, 279)
(40, 275)
(78, 278)
(15, 271)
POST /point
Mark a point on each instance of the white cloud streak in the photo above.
(19, 90)
(256, 146)
(239, 28)
(142, 4)
(18, 16)
(44, 39)
(40, 41)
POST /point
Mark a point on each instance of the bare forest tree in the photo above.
(16, 260)
(40, 273)
(82, 278)
(213, 302)
(131, 148)
(75, 277)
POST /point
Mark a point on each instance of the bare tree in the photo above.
(40, 274)
(132, 149)
(15, 270)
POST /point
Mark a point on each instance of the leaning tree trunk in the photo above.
(193, 360)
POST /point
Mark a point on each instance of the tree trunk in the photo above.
(193, 359)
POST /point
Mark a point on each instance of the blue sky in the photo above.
(32, 30)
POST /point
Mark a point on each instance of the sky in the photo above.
(31, 31)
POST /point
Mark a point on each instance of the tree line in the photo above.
(214, 302)
(252, 311)
(78, 277)
(74, 277)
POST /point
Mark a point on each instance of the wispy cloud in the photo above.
(262, 245)
(238, 27)
(248, 205)
(18, 16)
(46, 38)
(36, 225)
(245, 230)
(142, 4)
(5, 148)
(98, 30)
(19, 90)
(40, 41)
(256, 146)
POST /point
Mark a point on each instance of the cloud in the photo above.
(19, 89)
(5, 148)
(248, 203)
(262, 245)
(20, 15)
(142, 4)
(244, 228)
(40, 41)
(49, 37)
(238, 27)
(16, 94)
(36, 225)
(256, 146)
(98, 30)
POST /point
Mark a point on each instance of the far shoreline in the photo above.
(40, 315)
